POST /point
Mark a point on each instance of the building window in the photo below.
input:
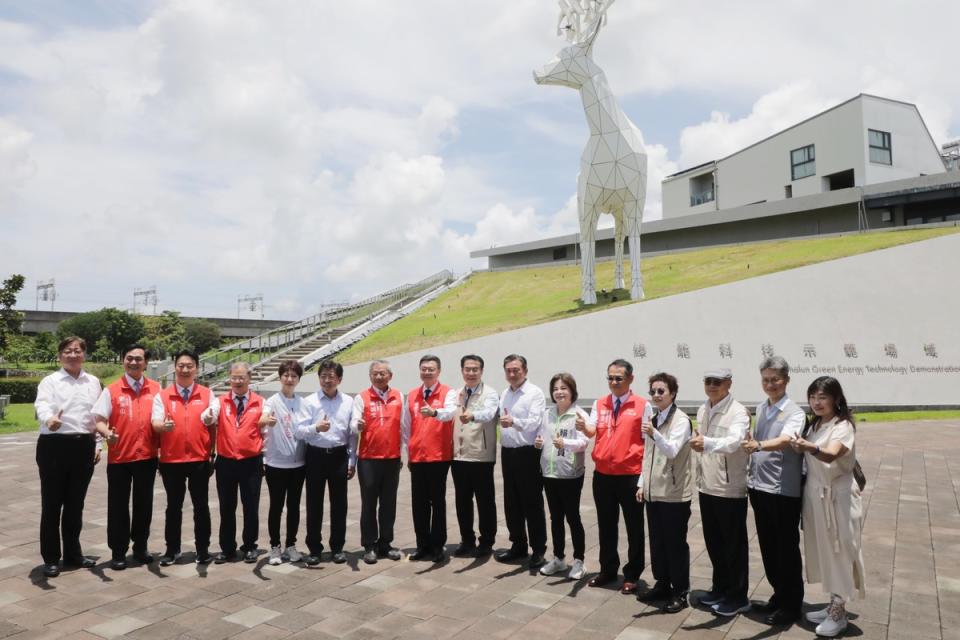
(701, 189)
(788, 191)
(802, 162)
(560, 253)
(881, 151)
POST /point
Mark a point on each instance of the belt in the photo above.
(68, 436)
(331, 450)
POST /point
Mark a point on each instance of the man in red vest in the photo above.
(616, 420)
(428, 435)
(123, 418)
(239, 465)
(185, 415)
(377, 413)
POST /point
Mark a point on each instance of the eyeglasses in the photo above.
(658, 392)
(615, 378)
(72, 352)
(713, 382)
(186, 367)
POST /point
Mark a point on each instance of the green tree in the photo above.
(19, 350)
(165, 334)
(202, 334)
(44, 347)
(103, 352)
(10, 320)
(120, 328)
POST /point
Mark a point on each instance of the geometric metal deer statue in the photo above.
(613, 167)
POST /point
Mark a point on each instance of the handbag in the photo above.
(859, 476)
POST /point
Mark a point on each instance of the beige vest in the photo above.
(722, 474)
(475, 441)
(666, 480)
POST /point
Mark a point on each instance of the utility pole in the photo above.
(147, 297)
(252, 303)
(46, 290)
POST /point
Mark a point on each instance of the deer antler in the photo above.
(580, 19)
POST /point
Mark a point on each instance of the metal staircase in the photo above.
(296, 340)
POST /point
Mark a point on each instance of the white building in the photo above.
(863, 141)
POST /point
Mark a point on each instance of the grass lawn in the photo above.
(897, 416)
(492, 302)
(19, 417)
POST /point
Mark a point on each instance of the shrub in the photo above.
(19, 389)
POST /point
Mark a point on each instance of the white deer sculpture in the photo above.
(613, 167)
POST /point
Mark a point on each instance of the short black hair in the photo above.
(331, 365)
(290, 365)
(515, 356)
(667, 379)
(620, 362)
(568, 380)
(187, 353)
(431, 358)
(66, 342)
(471, 356)
(134, 347)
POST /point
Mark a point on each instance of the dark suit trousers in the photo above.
(284, 485)
(177, 477)
(669, 551)
(428, 497)
(243, 476)
(326, 468)
(65, 463)
(613, 494)
(474, 481)
(123, 480)
(778, 532)
(523, 498)
(379, 480)
(724, 522)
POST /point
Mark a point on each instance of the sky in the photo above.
(317, 152)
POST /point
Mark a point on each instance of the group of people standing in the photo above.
(647, 456)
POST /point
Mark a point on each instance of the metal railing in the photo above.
(268, 344)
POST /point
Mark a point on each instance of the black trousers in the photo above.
(724, 522)
(474, 481)
(428, 498)
(177, 477)
(284, 485)
(523, 498)
(778, 532)
(123, 480)
(379, 479)
(65, 463)
(613, 494)
(326, 468)
(563, 500)
(243, 476)
(669, 551)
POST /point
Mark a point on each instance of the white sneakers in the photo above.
(292, 554)
(833, 622)
(576, 570)
(275, 558)
(554, 566)
(818, 616)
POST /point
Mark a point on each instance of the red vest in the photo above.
(380, 438)
(190, 440)
(430, 439)
(243, 439)
(130, 417)
(618, 449)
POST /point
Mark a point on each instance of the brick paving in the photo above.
(911, 548)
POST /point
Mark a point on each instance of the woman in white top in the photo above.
(666, 485)
(284, 458)
(561, 465)
(832, 511)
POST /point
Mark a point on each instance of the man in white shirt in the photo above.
(66, 454)
(722, 424)
(521, 410)
(324, 424)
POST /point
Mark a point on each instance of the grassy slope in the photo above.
(493, 302)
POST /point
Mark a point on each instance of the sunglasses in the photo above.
(658, 392)
(713, 382)
(615, 378)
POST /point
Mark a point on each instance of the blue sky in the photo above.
(319, 152)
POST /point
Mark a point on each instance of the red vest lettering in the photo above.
(130, 418)
(380, 438)
(190, 440)
(430, 439)
(618, 449)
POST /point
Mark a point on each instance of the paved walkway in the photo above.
(911, 539)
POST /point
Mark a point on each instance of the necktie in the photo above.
(616, 409)
(467, 399)
(186, 395)
(240, 406)
(136, 387)
(426, 395)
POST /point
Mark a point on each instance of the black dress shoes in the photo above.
(658, 592)
(781, 617)
(118, 564)
(601, 580)
(510, 555)
(142, 557)
(482, 551)
(51, 570)
(464, 550)
(676, 604)
(765, 607)
(537, 560)
(421, 554)
(439, 556)
(250, 556)
(80, 563)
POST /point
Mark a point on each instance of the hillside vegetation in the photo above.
(492, 302)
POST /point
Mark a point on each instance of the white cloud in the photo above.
(16, 164)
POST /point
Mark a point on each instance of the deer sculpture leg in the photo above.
(633, 215)
(618, 236)
(588, 228)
